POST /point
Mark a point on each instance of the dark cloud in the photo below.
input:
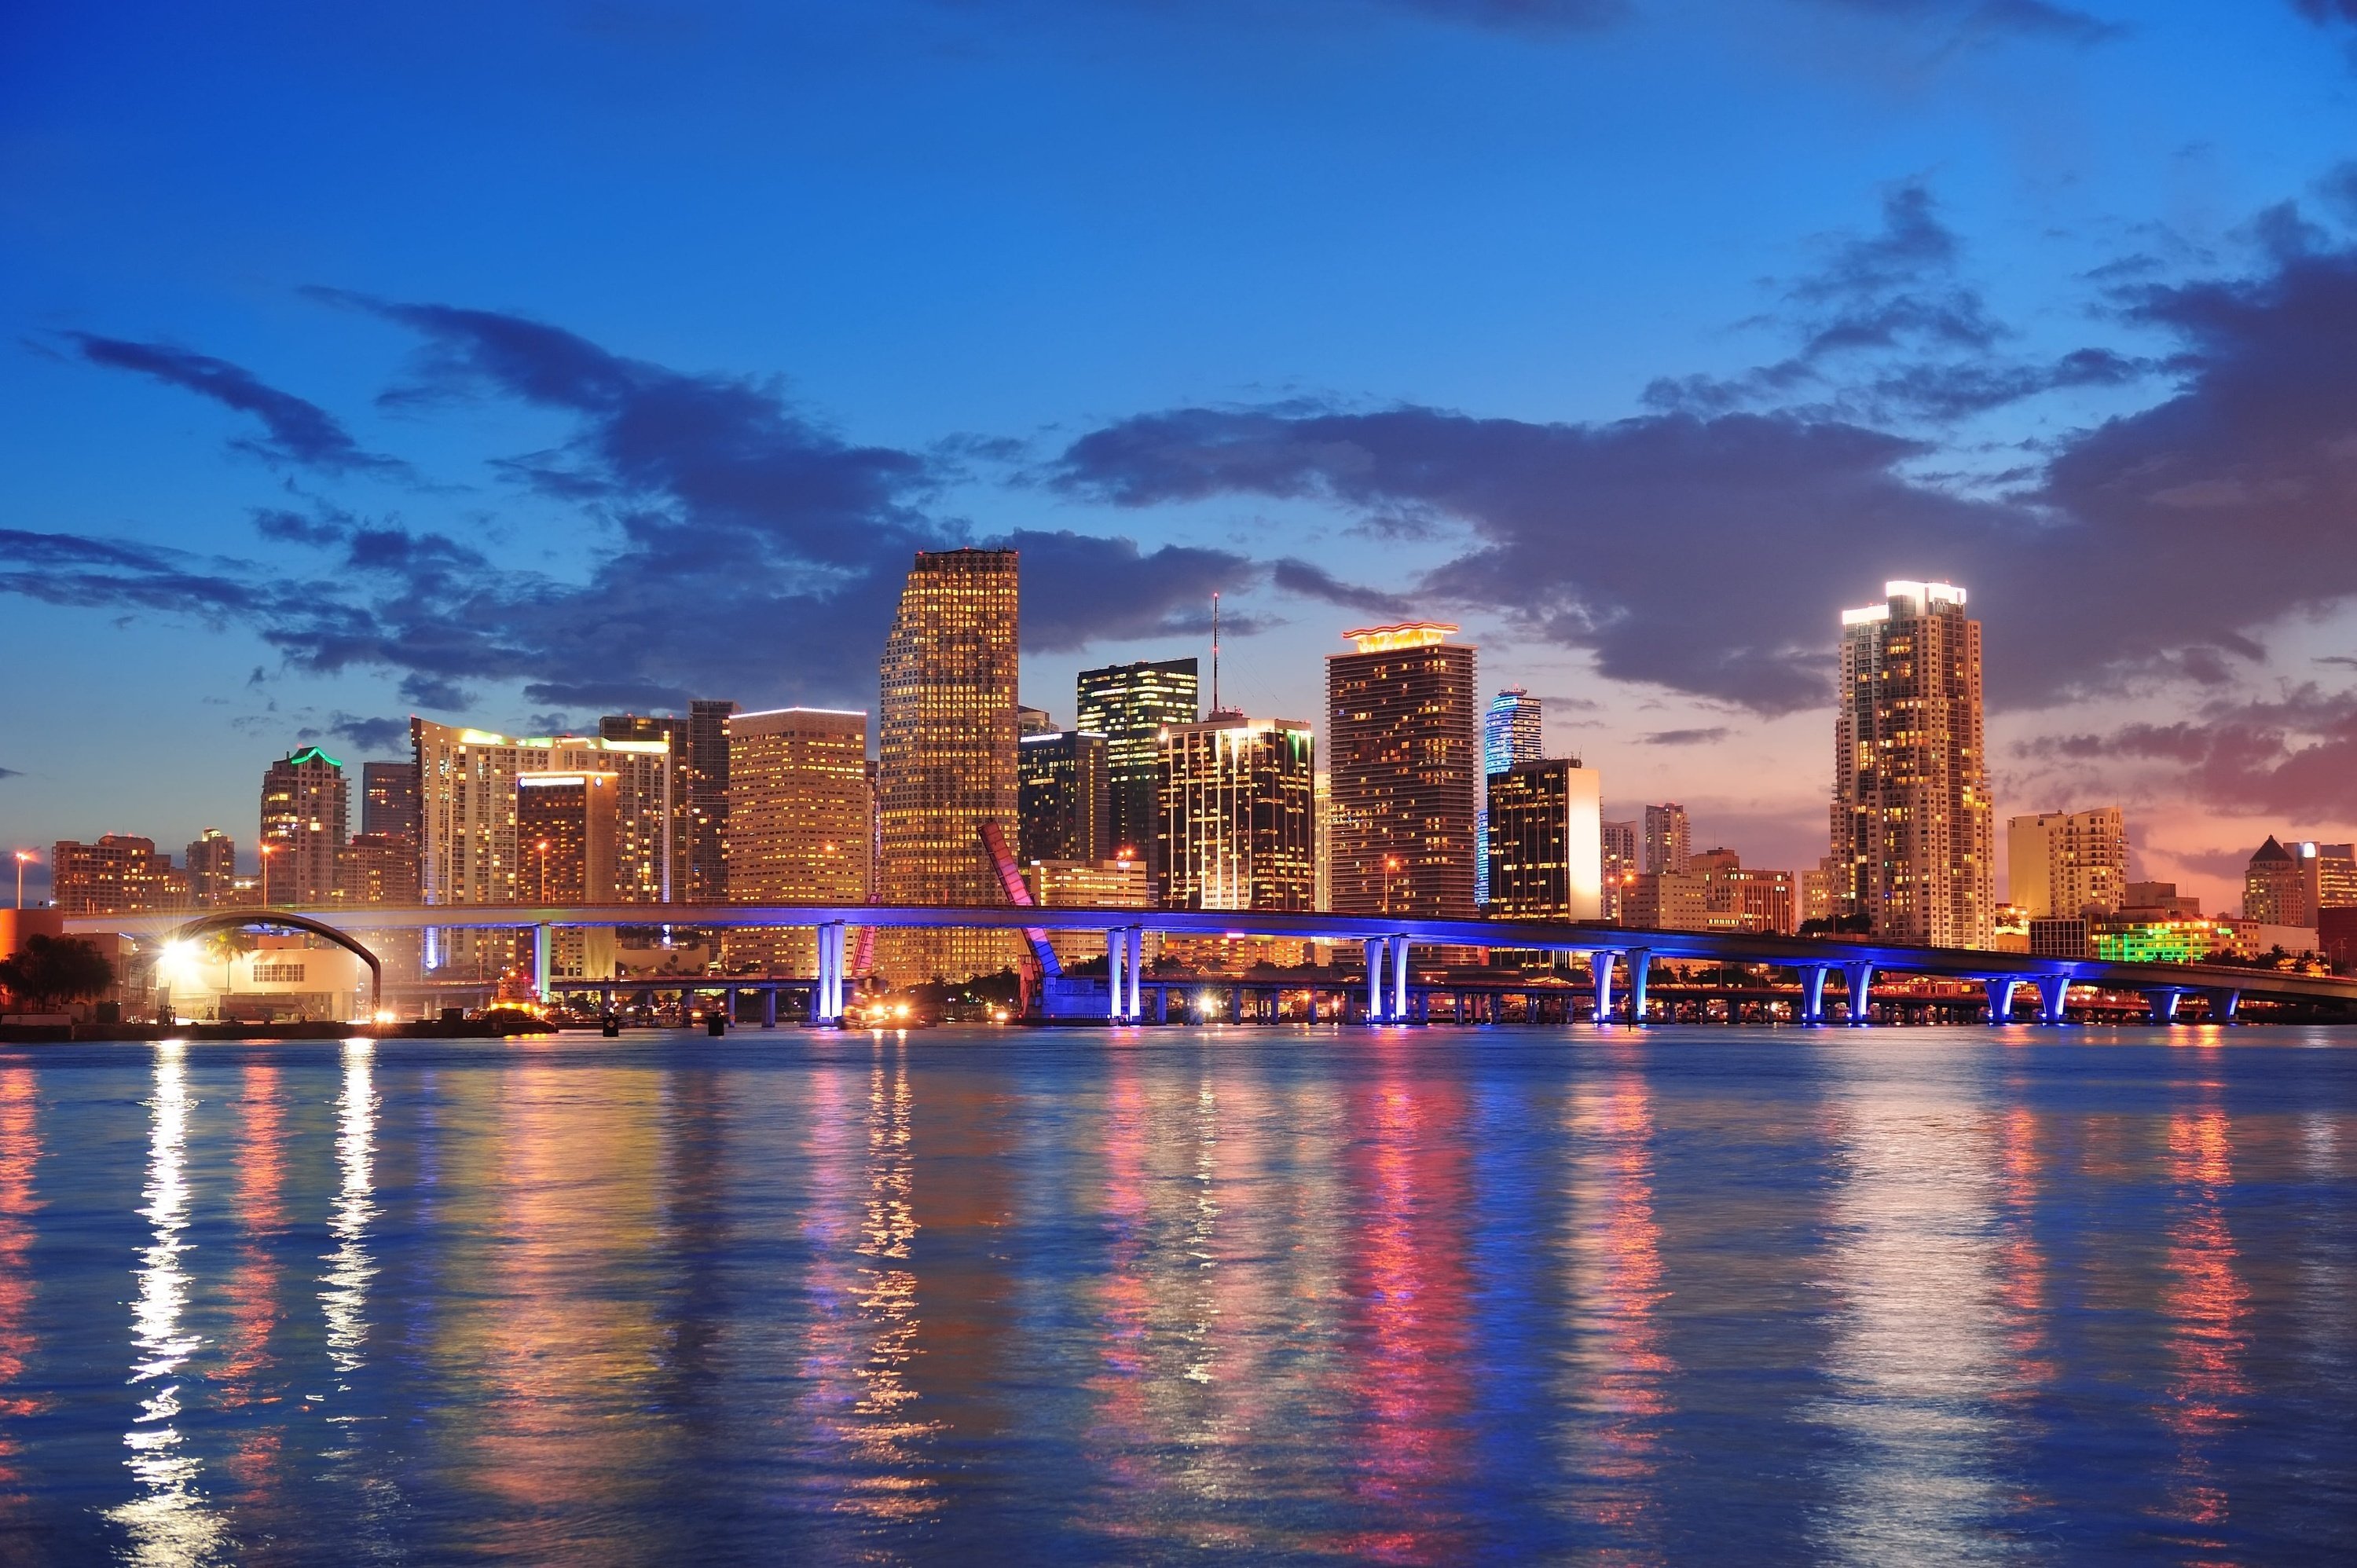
(1294, 575)
(1982, 20)
(2321, 12)
(11, 773)
(297, 431)
(370, 734)
(2294, 755)
(1710, 736)
(432, 692)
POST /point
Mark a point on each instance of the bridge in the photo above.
(1387, 942)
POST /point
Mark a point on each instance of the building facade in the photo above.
(698, 740)
(2274, 886)
(567, 834)
(1617, 853)
(946, 756)
(1741, 897)
(377, 869)
(2328, 877)
(119, 875)
(2068, 862)
(211, 863)
(1668, 839)
(1063, 797)
(1912, 820)
(305, 817)
(1546, 842)
(1403, 748)
(1129, 704)
(1511, 733)
(388, 799)
(798, 823)
(1237, 816)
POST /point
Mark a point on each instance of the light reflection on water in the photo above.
(1415, 1296)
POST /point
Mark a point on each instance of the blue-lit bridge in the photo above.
(1612, 952)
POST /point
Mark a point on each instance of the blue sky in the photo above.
(521, 363)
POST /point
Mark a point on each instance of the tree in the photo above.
(49, 970)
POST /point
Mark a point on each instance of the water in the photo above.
(1258, 1296)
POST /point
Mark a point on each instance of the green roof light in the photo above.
(310, 753)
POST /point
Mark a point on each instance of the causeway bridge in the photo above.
(1618, 956)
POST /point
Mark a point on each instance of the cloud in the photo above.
(2324, 12)
(2294, 755)
(1292, 575)
(370, 734)
(11, 773)
(1982, 21)
(1710, 736)
(296, 431)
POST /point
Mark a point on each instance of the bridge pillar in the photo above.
(1116, 957)
(1376, 954)
(1600, 971)
(540, 946)
(826, 996)
(1813, 992)
(2054, 999)
(2163, 1003)
(1860, 977)
(1137, 1009)
(768, 1007)
(2223, 1005)
(1399, 1012)
(1641, 963)
(2000, 1000)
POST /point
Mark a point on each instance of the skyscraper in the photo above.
(2062, 863)
(213, 869)
(946, 755)
(699, 751)
(1620, 864)
(1669, 840)
(1911, 817)
(1064, 798)
(566, 833)
(1546, 842)
(1403, 748)
(1128, 705)
(305, 815)
(1510, 734)
(798, 822)
(120, 873)
(388, 799)
(2275, 891)
(1238, 814)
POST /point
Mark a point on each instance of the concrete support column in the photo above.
(1136, 1008)
(2053, 998)
(2223, 1005)
(1313, 1005)
(1162, 1005)
(1375, 956)
(2163, 1003)
(1599, 967)
(1641, 963)
(768, 1007)
(1860, 977)
(1116, 950)
(1399, 979)
(541, 943)
(826, 996)
(2000, 1000)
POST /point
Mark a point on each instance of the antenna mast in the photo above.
(1215, 653)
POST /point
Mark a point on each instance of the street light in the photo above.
(543, 847)
(1390, 865)
(266, 851)
(24, 857)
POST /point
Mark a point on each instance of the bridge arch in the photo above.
(241, 919)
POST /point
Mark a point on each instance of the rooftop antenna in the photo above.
(1216, 709)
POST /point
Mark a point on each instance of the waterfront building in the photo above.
(211, 863)
(2069, 863)
(377, 869)
(1817, 903)
(566, 828)
(1511, 733)
(2158, 900)
(1238, 803)
(1617, 856)
(1120, 883)
(1064, 801)
(1322, 830)
(1668, 839)
(119, 875)
(1031, 721)
(2274, 886)
(1912, 822)
(698, 740)
(1546, 841)
(1129, 704)
(1666, 901)
(306, 816)
(2010, 927)
(2063, 937)
(946, 755)
(1402, 746)
(799, 815)
(1744, 898)
(2328, 877)
(388, 799)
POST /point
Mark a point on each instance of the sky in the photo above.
(514, 364)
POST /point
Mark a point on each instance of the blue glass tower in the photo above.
(1510, 734)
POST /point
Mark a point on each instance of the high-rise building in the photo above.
(1546, 841)
(1118, 883)
(1620, 863)
(120, 875)
(1668, 839)
(1129, 704)
(2068, 862)
(1238, 814)
(1321, 828)
(567, 825)
(1064, 800)
(2274, 886)
(213, 869)
(698, 740)
(1403, 745)
(1743, 898)
(377, 869)
(388, 799)
(1511, 733)
(799, 817)
(946, 755)
(1911, 819)
(1031, 721)
(306, 816)
(2328, 877)
(1817, 894)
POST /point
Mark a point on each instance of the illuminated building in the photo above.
(388, 799)
(798, 823)
(1321, 828)
(2275, 888)
(1511, 733)
(2068, 862)
(213, 869)
(305, 815)
(119, 875)
(1617, 856)
(2328, 877)
(2009, 925)
(566, 833)
(699, 753)
(1912, 820)
(1031, 721)
(1742, 898)
(1546, 842)
(1668, 839)
(1116, 884)
(1403, 748)
(2062, 937)
(377, 869)
(946, 756)
(1817, 894)
(1666, 901)
(1064, 801)
(1129, 704)
(1238, 805)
